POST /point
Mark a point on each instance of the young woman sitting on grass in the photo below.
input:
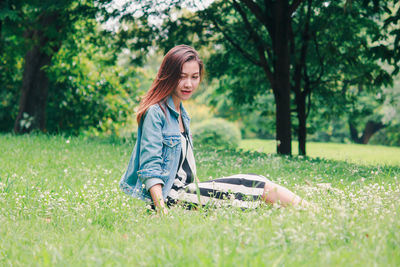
(162, 167)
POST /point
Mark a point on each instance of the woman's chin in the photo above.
(186, 96)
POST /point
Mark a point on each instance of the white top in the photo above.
(187, 166)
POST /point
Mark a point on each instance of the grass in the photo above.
(355, 153)
(60, 206)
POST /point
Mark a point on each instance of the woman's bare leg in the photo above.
(274, 193)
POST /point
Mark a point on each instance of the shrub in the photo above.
(217, 132)
(198, 112)
(389, 136)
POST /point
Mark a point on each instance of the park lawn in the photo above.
(60, 205)
(355, 153)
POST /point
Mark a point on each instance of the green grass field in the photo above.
(60, 205)
(360, 154)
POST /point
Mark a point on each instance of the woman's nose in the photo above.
(188, 83)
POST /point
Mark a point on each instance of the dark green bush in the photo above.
(389, 136)
(218, 133)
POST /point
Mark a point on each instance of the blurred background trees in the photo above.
(307, 69)
(61, 70)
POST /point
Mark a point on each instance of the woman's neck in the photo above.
(177, 103)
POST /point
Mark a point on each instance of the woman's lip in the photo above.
(186, 91)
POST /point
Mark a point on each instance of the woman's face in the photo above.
(189, 81)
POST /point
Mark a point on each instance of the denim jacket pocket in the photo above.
(170, 144)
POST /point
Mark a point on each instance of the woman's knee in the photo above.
(270, 186)
(270, 192)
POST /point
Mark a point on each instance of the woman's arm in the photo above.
(150, 172)
(156, 195)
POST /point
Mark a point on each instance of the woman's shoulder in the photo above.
(155, 111)
(154, 108)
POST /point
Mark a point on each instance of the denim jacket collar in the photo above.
(170, 104)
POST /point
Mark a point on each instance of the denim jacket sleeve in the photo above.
(150, 170)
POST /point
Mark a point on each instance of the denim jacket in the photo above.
(155, 157)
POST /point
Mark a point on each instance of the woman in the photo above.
(162, 167)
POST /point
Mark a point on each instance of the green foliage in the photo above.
(216, 133)
(88, 89)
(389, 136)
(94, 87)
(20, 24)
(343, 71)
(12, 48)
(198, 112)
(60, 205)
(10, 81)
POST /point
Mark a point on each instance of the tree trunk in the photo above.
(32, 106)
(1, 36)
(354, 133)
(370, 129)
(301, 67)
(301, 115)
(35, 83)
(281, 85)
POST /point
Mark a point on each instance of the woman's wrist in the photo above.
(156, 196)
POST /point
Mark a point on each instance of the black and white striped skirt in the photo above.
(240, 190)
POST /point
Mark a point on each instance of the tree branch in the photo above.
(264, 18)
(234, 44)
(309, 102)
(300, 65)
(256, 10)
(304, 49)
(261, 49)
(293, 7)
(320, 61)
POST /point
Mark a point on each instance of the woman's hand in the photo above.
(156, 196)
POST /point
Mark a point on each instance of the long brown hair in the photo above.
(168, 76)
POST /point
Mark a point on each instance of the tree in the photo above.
(273, 55)
(260, 33)
(69, 69)
(45, 24)
(265, 32)
(90, 89)
(344, 57)
(325, 55)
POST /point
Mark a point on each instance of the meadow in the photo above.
(353, 153)
(60, 205)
